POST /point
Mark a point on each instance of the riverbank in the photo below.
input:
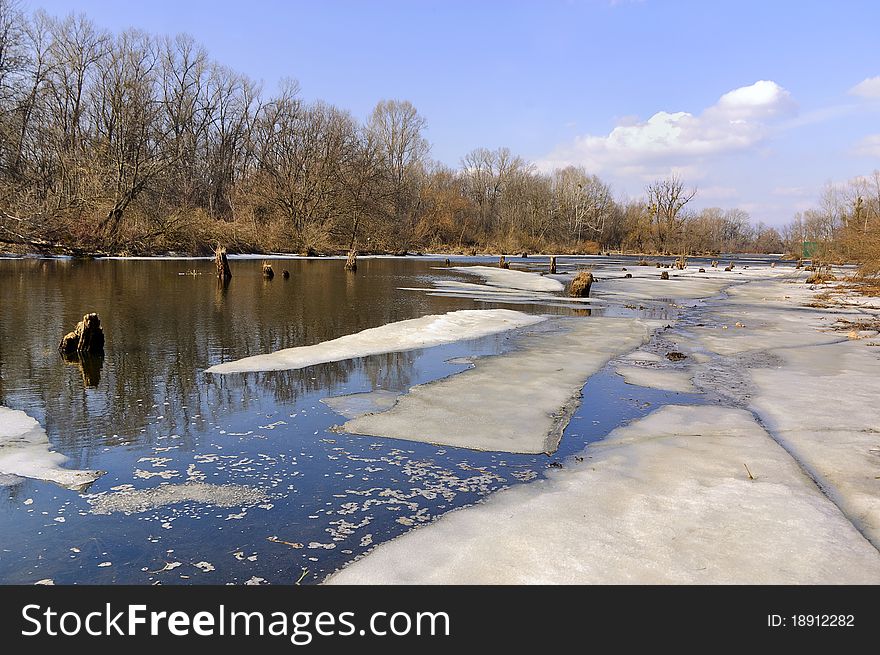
(776, 481)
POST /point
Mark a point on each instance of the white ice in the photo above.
(516, 402)
(666, 499)
(432, 330)
(25, 453)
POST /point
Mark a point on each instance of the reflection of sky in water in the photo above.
(154, 418)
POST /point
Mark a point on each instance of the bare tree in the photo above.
(666, 199)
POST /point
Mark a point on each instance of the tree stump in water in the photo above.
(448, 263)
(714, 263)
(87, 337)
(553, 265)
(580, 285)
(351, 263)
(664, 275)
(285, 274)
(502, 263)
(268, 273)
(222, 263)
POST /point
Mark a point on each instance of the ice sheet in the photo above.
(666, 499)
(25, 453)
(516, 402)
(432, 330)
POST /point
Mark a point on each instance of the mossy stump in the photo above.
(580, 285)
(86, 338)
(351, 263)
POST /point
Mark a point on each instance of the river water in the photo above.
(148, 415)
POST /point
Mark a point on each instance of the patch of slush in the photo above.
(143, 500)
(411, 334)
(667, 379)
(663, 500)
(516, 402)
(25, 453)
(358, 404)
(510, 279)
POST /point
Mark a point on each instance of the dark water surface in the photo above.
(148, 415)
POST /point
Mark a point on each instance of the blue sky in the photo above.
(757, 104)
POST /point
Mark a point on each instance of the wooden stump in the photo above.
(448, 263)
(285, 274)
(553, 265)
(580, 285)
(502, 263)
(351, 263)
(222, 263)
(268, 273)
(87, 337)
(714, 263)
(664, 275)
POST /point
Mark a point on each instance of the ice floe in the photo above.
(506, 278)
(25, 453)
(516, 402)
(411, 334)
(666, 499)
(358, 404)
(657, 378)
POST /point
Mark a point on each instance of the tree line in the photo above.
(844, 226)
(134, 143)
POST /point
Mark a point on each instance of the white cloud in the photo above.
(867, 88)
(739, 120)
(869, 146)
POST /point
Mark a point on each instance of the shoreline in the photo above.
(762, 491)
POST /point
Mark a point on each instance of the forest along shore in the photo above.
(774, 480)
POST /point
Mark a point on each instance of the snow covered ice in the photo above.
(25, 453)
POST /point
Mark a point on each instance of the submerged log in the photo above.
(87, 337)
(580, 285)
(351, 263)
(268, 273)
(222, 263)
(553, 265)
